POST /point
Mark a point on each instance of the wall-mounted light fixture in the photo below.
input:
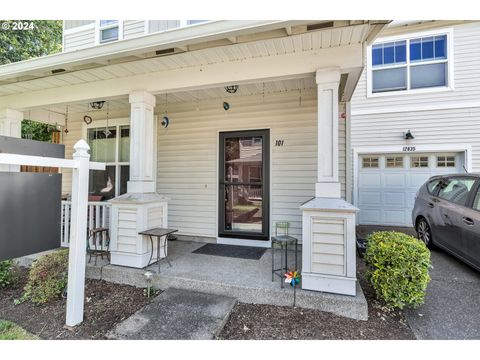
(409, 135)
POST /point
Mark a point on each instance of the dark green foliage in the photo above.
(397, 267)
(47, 277)
(7, 273)
(16, 45)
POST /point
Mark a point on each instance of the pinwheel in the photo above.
(293, 278)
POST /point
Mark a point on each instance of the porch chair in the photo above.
(97, 235)
(282, 239)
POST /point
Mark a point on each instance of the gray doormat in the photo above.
(234, 251)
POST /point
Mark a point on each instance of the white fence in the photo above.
(98, 216)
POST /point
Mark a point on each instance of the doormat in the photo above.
(234, 251)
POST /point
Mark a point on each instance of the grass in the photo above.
(11, 331)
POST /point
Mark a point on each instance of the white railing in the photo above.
(98, 216)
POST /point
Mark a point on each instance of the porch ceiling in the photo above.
(308, 41)
(117, 104)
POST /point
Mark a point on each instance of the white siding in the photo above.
(79, 39)
(466, 57)
(427, 115)
(162, 25)
(133, 28)
(188, 152)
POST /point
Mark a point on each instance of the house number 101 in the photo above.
(278, 142)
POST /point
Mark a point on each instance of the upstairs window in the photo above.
(416, 63)
(109, 30)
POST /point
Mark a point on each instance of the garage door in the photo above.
(387, 184)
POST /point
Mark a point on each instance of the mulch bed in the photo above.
(106, 305)
(255, 321)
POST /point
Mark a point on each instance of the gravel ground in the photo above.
(255, 321)
(106, 305)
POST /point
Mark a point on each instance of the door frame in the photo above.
(358, 151)
(227, 236)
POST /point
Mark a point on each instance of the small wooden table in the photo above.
(158, 233)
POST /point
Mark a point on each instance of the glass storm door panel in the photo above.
(243, 184)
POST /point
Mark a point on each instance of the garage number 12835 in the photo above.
(409, 148)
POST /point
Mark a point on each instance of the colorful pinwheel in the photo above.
(293, 278)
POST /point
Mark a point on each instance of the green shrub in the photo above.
(6, 273)
(47, 277)
(397, 268)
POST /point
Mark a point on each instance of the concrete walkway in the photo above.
(177, 315)
(452, 305)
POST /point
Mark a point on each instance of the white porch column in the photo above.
(328, 251)
(141, 208)
(327, 103)
(10, 125)
(142, 143)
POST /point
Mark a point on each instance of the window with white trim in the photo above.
(394, 161)
(109, 30)
(370, 162)
(110, 145)
(445, 161)
(419, 162)
(409, 64)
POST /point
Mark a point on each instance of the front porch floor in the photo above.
(248, 281)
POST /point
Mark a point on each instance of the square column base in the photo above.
(131, 214)
(330, 284)
(329, 246)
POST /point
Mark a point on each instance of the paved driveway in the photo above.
(452, 305)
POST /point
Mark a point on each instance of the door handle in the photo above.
(468, 221)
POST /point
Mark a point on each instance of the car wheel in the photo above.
(424, 232)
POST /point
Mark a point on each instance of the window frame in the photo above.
(475, 190)
(448, 32)
(117, 123)
(98, 31)
(471, 193)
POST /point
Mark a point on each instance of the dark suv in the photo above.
(447, 214)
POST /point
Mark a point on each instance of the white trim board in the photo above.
(414, 108)
(391, 149)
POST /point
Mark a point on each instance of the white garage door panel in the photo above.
(386, 195)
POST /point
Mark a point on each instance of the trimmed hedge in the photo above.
(397, 268)
(47, 278)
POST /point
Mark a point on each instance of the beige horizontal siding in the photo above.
(188, 151)
(70, 24)
(133, 28)
(466, 72)
(79, 40)
(162, 25)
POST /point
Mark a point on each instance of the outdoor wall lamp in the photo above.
(165, 122)
(409, 135)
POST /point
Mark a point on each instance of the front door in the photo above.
(244, 184)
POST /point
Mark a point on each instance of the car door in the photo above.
(471, 228)
(453, 198)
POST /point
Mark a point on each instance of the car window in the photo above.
(476, 202)
(456, 190)
(432, 185)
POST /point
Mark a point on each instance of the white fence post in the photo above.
(78, 235)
